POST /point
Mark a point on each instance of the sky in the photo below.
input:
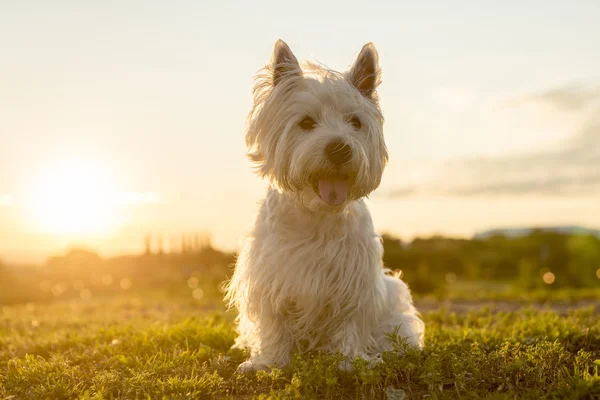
(137, 110)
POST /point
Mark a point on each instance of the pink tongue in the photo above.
(333, 191)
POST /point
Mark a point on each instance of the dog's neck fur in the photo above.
(297, 211)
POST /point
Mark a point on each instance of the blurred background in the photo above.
(122, 159)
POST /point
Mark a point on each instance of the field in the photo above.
(159, 345)
(153, 325)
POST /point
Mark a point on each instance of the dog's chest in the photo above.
(321, 272)
(310, 264)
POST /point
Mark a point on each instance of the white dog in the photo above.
(310, 275)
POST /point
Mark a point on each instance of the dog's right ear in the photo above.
(365, 73)
(284, 63)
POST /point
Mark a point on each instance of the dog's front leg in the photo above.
(349, 342)
(273, 345)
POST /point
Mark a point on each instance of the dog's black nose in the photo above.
(338, 152)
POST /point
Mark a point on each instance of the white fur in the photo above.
(310, 275)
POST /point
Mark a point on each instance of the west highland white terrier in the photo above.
(310, 274)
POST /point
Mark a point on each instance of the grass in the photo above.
(485, 291)
(158, 346)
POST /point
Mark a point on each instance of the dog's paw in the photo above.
(252, 366)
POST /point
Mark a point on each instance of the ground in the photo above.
(175, 346)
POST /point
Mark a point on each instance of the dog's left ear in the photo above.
(365, 73)
(284, 63)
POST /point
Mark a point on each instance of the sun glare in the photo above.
(73, 198)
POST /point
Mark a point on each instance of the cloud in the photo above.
(568, 98)
(551, 186)
(572, 168)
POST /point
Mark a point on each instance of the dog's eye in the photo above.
(356, 122)
(307, 123)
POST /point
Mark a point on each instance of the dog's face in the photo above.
(317, 132)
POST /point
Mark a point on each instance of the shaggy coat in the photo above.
(310, 274)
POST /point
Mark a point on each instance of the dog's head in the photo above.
(317, 132)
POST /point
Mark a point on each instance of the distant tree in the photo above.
(75, 262)
(528, 276)
(148, 244)
(584, 260)
(184, 244)
(159, 245)
(196, 246)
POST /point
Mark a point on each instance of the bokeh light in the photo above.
(125, 284)
(193, 282)
(107, 280)
(549, 278)
(59, 289)
(451, 277)
(198, 294)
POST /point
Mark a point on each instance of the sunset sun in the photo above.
(72, 198)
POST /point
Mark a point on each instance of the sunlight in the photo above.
(73, 198)
(6, 201)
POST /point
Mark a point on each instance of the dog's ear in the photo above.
(365, 73)
(284, 63)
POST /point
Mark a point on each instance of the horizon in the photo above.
(120, 122)
(172, 245)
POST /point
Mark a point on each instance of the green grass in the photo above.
(493, 291)
(176, 347)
